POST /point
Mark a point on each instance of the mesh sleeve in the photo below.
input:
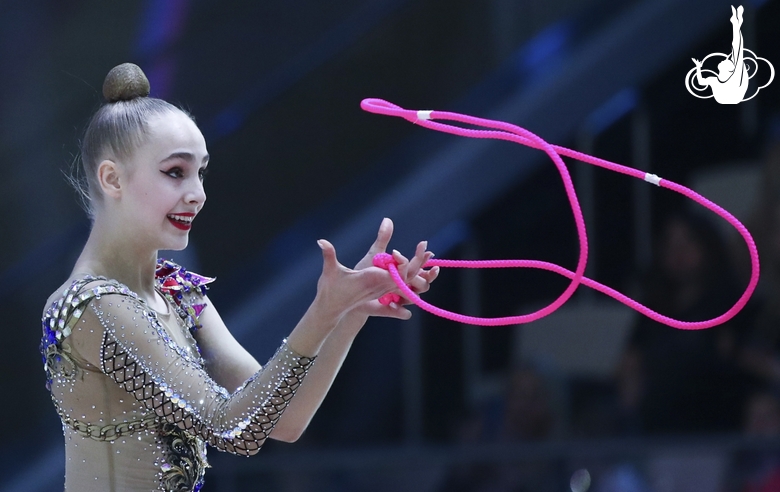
(138, 354)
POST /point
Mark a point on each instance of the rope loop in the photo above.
(506, 131)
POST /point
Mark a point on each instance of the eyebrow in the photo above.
(186, 156)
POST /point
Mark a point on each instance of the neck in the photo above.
(114, 255)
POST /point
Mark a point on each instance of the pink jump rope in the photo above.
(505, 131)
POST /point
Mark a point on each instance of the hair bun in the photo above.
(125, 82)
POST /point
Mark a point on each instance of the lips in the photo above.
(181, 221)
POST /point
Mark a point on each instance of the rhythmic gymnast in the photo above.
(142, 371)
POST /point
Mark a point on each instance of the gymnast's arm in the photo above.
(336, 347)
(229, 362)
(127, 341)
(121, 336)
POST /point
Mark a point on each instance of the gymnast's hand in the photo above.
(337, 283)
(418, 279)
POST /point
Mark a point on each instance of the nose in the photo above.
(196, 194)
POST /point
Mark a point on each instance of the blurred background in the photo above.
(593, 397)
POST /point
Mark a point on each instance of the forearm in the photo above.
(319, 379)
(314, 328)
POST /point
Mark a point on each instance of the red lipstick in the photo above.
(181, 221)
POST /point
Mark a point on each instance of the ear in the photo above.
(109, 174)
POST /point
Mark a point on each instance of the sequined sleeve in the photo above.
(137, 354)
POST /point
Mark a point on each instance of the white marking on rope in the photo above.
(424, 114)
(652, 178)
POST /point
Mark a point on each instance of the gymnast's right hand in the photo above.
(356, 290)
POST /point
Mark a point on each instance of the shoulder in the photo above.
(77, 292)
(64, 315)
(67, 304)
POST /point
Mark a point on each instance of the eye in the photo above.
(174, 172)
(202, 172)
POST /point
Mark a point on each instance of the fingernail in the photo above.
(320, 244)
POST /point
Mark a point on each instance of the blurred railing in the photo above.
(701, 464)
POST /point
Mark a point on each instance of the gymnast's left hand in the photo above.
(336, 279)
(416, 276)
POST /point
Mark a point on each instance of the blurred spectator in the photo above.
(758, 471)
(528, 413)
(678, 381)
(524, 413)
(762, 415)
(761, 356)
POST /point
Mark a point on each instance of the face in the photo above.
(682, 253)
(163, 187)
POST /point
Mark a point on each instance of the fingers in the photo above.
(421, 256)
(412, 272)
(418, 279)
(329, 259)
(402, 263)
(430, 274)
(421, 283)
(383, 237)
(392, 310)
(410, 268)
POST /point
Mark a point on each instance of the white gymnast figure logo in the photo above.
(730, 84)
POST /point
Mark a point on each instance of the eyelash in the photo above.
(176, 172)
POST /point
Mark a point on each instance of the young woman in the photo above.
(141, 368)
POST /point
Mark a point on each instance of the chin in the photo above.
(178, 245)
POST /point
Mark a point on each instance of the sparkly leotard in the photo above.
(136, 403)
